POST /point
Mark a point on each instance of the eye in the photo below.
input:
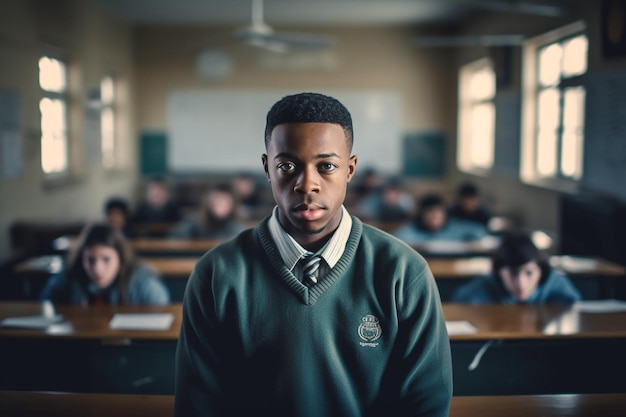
(327, 166)
(286, 166)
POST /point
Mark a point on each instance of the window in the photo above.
(108, 122)
(477, 115)
(53, 108)
(554, 107)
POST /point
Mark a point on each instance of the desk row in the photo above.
(515, 350)
(594, 278)
(57, 404)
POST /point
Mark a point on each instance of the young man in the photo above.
(355, 330)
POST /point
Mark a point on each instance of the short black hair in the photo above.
(118, 203)
(516, 249)
(430, 200)
(467, 189)
(308, 108)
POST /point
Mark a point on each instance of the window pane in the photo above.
(107, 91)
(573, 131)
(53, 153)
(52, 75)
(483, 121)
(53, 135)
(108, 137)
(550, 65)
(546, 152)
(548, 109)
(483, 84)
(575, 56)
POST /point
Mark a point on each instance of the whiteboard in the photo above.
(222, 131)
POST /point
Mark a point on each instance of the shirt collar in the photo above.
(291, 251)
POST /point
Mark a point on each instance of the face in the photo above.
(521, 282)
(309, 167)
(434, 218)
(157, 194)
(116, 218)
(469, 204)
(102, 264)
(220, 204)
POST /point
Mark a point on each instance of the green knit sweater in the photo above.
(368, 340)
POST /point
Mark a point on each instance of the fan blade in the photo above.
(303, 41)
(469, 40)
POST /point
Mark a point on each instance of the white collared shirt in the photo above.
(291, 251)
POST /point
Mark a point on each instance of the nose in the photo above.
(307, 182)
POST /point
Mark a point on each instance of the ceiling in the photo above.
(323, 12)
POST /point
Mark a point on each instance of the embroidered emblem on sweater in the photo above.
(370, 330)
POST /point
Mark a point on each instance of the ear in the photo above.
(265, 168)
(352, 166)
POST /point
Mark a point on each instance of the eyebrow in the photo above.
(294, 156)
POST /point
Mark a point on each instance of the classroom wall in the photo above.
(97, 44)
(364, 58)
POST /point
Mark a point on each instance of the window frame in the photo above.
(529, 171)
(64, 97)
(109, 105)
(466, 105)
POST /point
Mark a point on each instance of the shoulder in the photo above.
(558, 287)
(478, 290)
(230, 252)
(145, 286)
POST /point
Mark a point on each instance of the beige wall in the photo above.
(365, 58)
(97, 44)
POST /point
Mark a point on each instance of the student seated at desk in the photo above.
(216, 219)
(433, 224)
(157, 206)
(520, 274)
(117, 215)
(102, 269)
(469, 205)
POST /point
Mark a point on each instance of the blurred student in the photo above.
(215, 219)
(433, 224)
(157, 205)
(117, 215)
(102, 269)
(251, 204)
(521, 273)
(387, 204)
(469, 205)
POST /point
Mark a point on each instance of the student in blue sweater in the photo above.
(520, 274)
(102, 269)
(312, 313)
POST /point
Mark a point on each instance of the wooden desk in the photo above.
(595, 278)
(88, 323)
(171, 247)
(59, 404)
(533, 350)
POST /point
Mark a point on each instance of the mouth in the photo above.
(309, 211)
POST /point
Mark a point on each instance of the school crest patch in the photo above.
(370, 330)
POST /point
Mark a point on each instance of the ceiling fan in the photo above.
(261, 35)
(525, 7)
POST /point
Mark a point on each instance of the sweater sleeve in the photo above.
(421, 371)
(197, 387)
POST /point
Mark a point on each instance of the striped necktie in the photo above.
(310, 267)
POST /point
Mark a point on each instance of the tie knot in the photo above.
(310, 267)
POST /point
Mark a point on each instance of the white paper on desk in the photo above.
(142, 321)
(31, 322)
(600, 306)
(460, 327)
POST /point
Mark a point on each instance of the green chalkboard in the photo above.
(424, 154)
(153, 153)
